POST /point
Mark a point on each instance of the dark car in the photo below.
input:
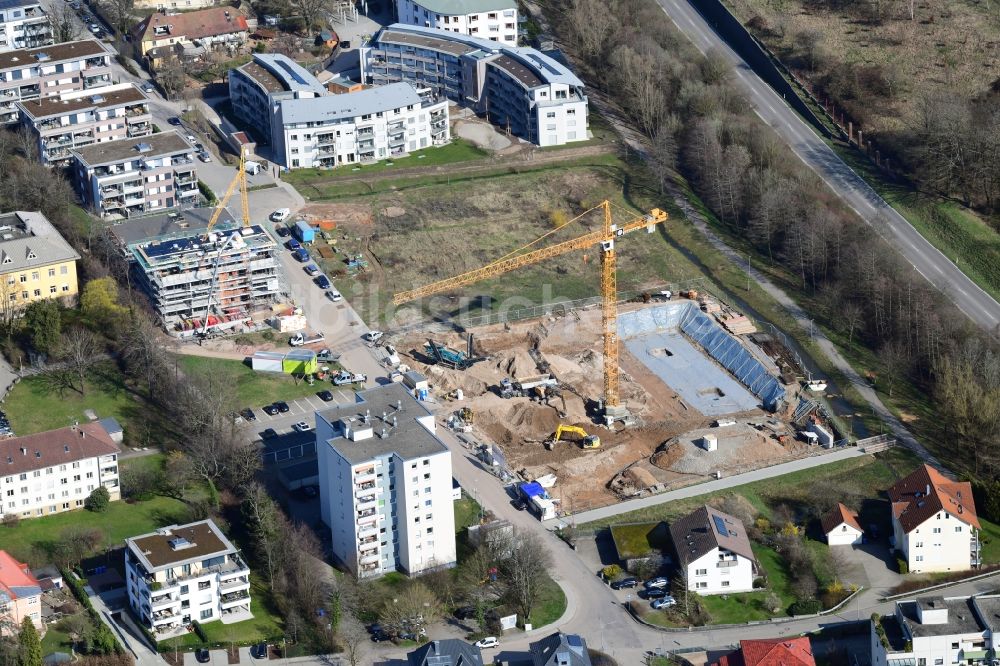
(379, 636)
(202, 655)
(259, 651)
(270, 410)
(518, 504)
(310, 491)
(374, 628)
(624, 583)
(248, 415)
(293, 244)
(653, 593)
(174, 120)
(281, 231)
(325, 396)
(268, 434)
(282, 406)
(323, 282)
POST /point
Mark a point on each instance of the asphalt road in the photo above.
(938, 269)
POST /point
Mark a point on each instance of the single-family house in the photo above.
(934, 522)
(20, 594)
(770, 652)
(841, 527)
(448, 652)
(205, 28)
(560, 649)
(713, 551)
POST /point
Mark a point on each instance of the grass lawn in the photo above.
(250, 389)
(866, 475)
(264, 625)
(57, 640)
(467, 513)
(549, 606)
(32, 539)
(35, 405)
(990, 539)
(750, 605)
(638, 540)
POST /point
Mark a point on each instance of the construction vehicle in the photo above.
(525, 256)
(523, 387)
(466, 415)
(300, 339)
(586, 441)
(452, 358)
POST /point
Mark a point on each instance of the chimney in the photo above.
(24, 451)
(384, 433)
(928, 490)
(399, 405)
(393, 420)
(383, 416)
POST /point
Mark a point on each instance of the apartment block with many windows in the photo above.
(55, 471)
(36, 262)
(48, 71)
(132, 177)
(385, 484)
(24, 25)
(495, 20)
(82, 118)
(183, 573)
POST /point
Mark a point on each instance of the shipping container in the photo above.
(304, 232)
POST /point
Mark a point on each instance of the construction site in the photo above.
(591, 403)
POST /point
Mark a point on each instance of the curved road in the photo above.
(930, 262)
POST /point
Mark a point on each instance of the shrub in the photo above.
(11, 520)
(902, 566)
(805, 607)
(772, 603)
(611, 572)
(199, 631)
(207, 192)
(98, 500)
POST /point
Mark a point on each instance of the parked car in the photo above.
(269, 433)
(665, 602)
(334, 295)
(259, 651)
(202, 655)
(248, 414)
(174, 120)
(325, 396)
(660, 582)
(374, 628)
(191, 138)
(379, 636)
(488, 642)
(199, 147)
(302, 426)
(270, 410)
(323, 282)
(325, 354)
(372, 336)
(148, 88)
(312, 269)
(280, 215)
(310, 491)
(282, 406)
(205, 156)
(518, 504)
(293, 245)
(654, 593)
(624, 583)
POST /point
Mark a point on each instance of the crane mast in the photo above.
(606, 237)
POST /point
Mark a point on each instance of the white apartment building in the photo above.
(385, 484)
(185, 573)
(521, 90)
(309, 126)
(714, 550)
(934, 522)
(49, 71)
(934, 631)
(81, 118)
(24, 25)
(131, 177)
(55, 471)
(495, 20)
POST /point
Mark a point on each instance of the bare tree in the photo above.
(524, 571)
(264, 521)
(65, 27)
(119, 12)
(172, 76)
(312, 11)
(78, 350)
(353, 639)
(852, 316)
(411, 610)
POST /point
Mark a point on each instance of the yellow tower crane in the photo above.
(605, 236)
(239, 180)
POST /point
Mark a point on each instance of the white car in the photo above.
(302, 426)
(191, 138)
(280, 215)
(334, 295)
(488, 642)
(373, 336)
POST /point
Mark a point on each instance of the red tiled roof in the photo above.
(926, 492)
(54, 447)
(14, 575)
(193, 25)
(777, 652)
(840, 514)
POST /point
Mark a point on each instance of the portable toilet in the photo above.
(710, 443)
(304, 232)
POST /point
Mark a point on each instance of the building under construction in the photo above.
(201, 281)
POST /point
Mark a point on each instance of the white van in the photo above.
(252, 168)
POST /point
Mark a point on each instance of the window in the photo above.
(919, 558)
(958, 528)
(427, 489)
(24, 278)
(701, 585)
(954, 646)
(919, 544)
(38, 292)
(430, 530)
(34, 275)
(65, 287)
(427, 502)
(937, 530)
(427, 476)
(426, 462)
(725, 583)
(939, 660)
(701, 572)
(205, 614)
(63, 270)
(52, 272)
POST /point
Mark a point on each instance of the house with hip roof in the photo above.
(841, 527)
(713, 549)
(934, 522)
(20, 595)
(770, 652)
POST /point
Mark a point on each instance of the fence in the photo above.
(876, 443)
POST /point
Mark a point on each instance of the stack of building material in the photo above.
(709, 305)
(737, 324)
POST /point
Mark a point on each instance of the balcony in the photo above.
(96, 62)
(163, 602)
(181, 159)
(96, 81)
(329, 137)
(185, 177)
(368, 533)
(135, 112)
(139, 129)
(366, 131)
(235, 599)
(369, 560)
(132, 185)
(240, 582)
(166, 616)
(59, 140)
(366, 477)
(726, 564)
(190, 192)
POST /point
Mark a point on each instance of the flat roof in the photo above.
(961, 617)
(54, 52)
(350, 105)
(12, 4)
(197, 242)
(989, 607)
(266, 79)
(290, 74)
(517, 70)
(109, 152)
(408, 438)
(394, 35)
(180, 543)
(58, 106)
(462, 7)
(165, 225)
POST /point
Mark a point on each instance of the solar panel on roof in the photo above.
(574, 641)
(720, 526)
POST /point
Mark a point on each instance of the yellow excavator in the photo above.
(586, 441)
